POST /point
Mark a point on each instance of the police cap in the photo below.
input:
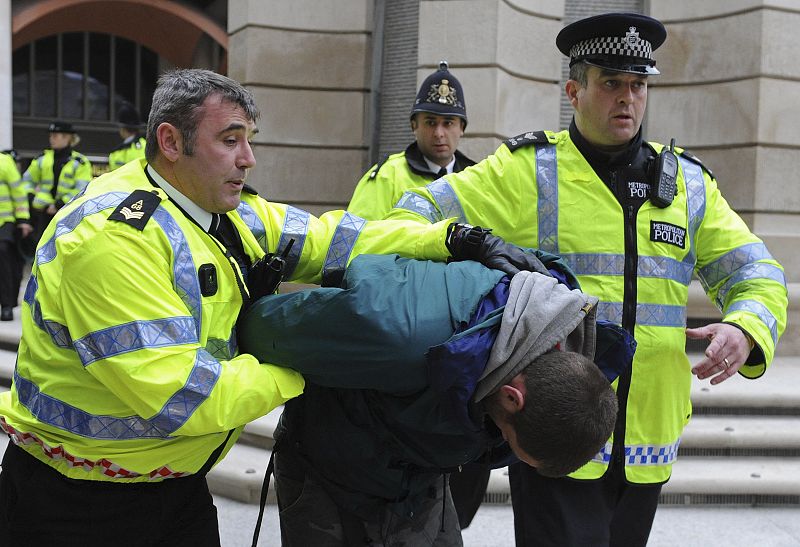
(59, 126)
(129, 117)
(621, 42)
(441, 94)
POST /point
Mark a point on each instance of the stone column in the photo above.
(729, 92)
(307, 64)
(504, 55)
(6, 93)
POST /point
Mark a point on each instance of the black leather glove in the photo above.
(466, 242)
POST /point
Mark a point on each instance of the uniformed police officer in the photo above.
(438, 120)
(129, 386)
(635, 220)
(14, 226)
(132, 145)
(57, 175)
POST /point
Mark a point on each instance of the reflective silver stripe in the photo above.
(184, 271)
(642, 454)
(344, 238)
(695, 203)
(759, 270)
(254, 224)
(547, 197)
(731, 261)
(415, 203)
(660, 267)
(134, 336)
(174, 413)
(295, 226)
(445, 197)
(761, 312)
(653, 315)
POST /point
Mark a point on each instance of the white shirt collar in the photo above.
(435, 167)
(200, 215)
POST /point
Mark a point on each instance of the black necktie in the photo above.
(442, 172)
(214, 228)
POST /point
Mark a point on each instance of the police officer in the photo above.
(635, 220)
(128, 386)
(14, 226)
(132, 145)
(57, 175)
(438, 120)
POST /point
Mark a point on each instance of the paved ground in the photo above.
(698, 526)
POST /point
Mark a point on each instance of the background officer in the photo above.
(635, 221)
(438, 120)
(14, 226)
(57, 175)
(132, 145)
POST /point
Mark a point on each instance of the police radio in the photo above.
(666, 175)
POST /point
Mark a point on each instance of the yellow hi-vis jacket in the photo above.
(74, 177)
(128, 368)
(13, 196)
(125, 152)
(544, 194)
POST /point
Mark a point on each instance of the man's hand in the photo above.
(467, 242)
(727, 351)
(25, 229)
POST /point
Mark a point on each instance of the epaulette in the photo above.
(249, 189)
(694, 159)
(378, 167)
(136, 209)
(526, 139)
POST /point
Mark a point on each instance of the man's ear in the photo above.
(571, 88)
(170, 141)
(511, 399)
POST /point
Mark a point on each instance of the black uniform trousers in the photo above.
(11, 265)
(40, 506)
(571, 513)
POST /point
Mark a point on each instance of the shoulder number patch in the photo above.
(526, 139)
(137, 209)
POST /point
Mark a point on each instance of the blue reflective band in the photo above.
(641, 454)
(653, 315)
(445, 198)
(134, 336)
(713, 273)
(344, 238)
(759, 270)
(547, 199)
(419, 205)
(760, 311)
(295, 226)
(695, 203)
(254, 224)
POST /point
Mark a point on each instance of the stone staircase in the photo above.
(741, 447)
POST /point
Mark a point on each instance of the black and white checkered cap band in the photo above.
(612, 45)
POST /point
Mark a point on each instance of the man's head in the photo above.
(129, 121)
(62, 135)
(557, 413)
(439, 116)
(610, 60)
(198, 136)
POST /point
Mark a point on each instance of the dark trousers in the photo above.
(468, 488)
(40, 506)
(10, 268)
(571, 513)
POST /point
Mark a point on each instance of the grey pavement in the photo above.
(694, 526)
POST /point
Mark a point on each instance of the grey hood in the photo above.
(540, 313)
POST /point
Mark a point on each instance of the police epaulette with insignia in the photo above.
(249, 189)
(689, 156)
(137, 209)
(526, 139)
(378, 166)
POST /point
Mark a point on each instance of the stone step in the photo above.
(765, 433)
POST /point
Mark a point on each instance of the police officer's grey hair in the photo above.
(178, 98)
(578, 72)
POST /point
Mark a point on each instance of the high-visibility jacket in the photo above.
(128, 368)
(13, 197)
(384, 184)
(74, 177)
(537, 190)
(125, 152)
